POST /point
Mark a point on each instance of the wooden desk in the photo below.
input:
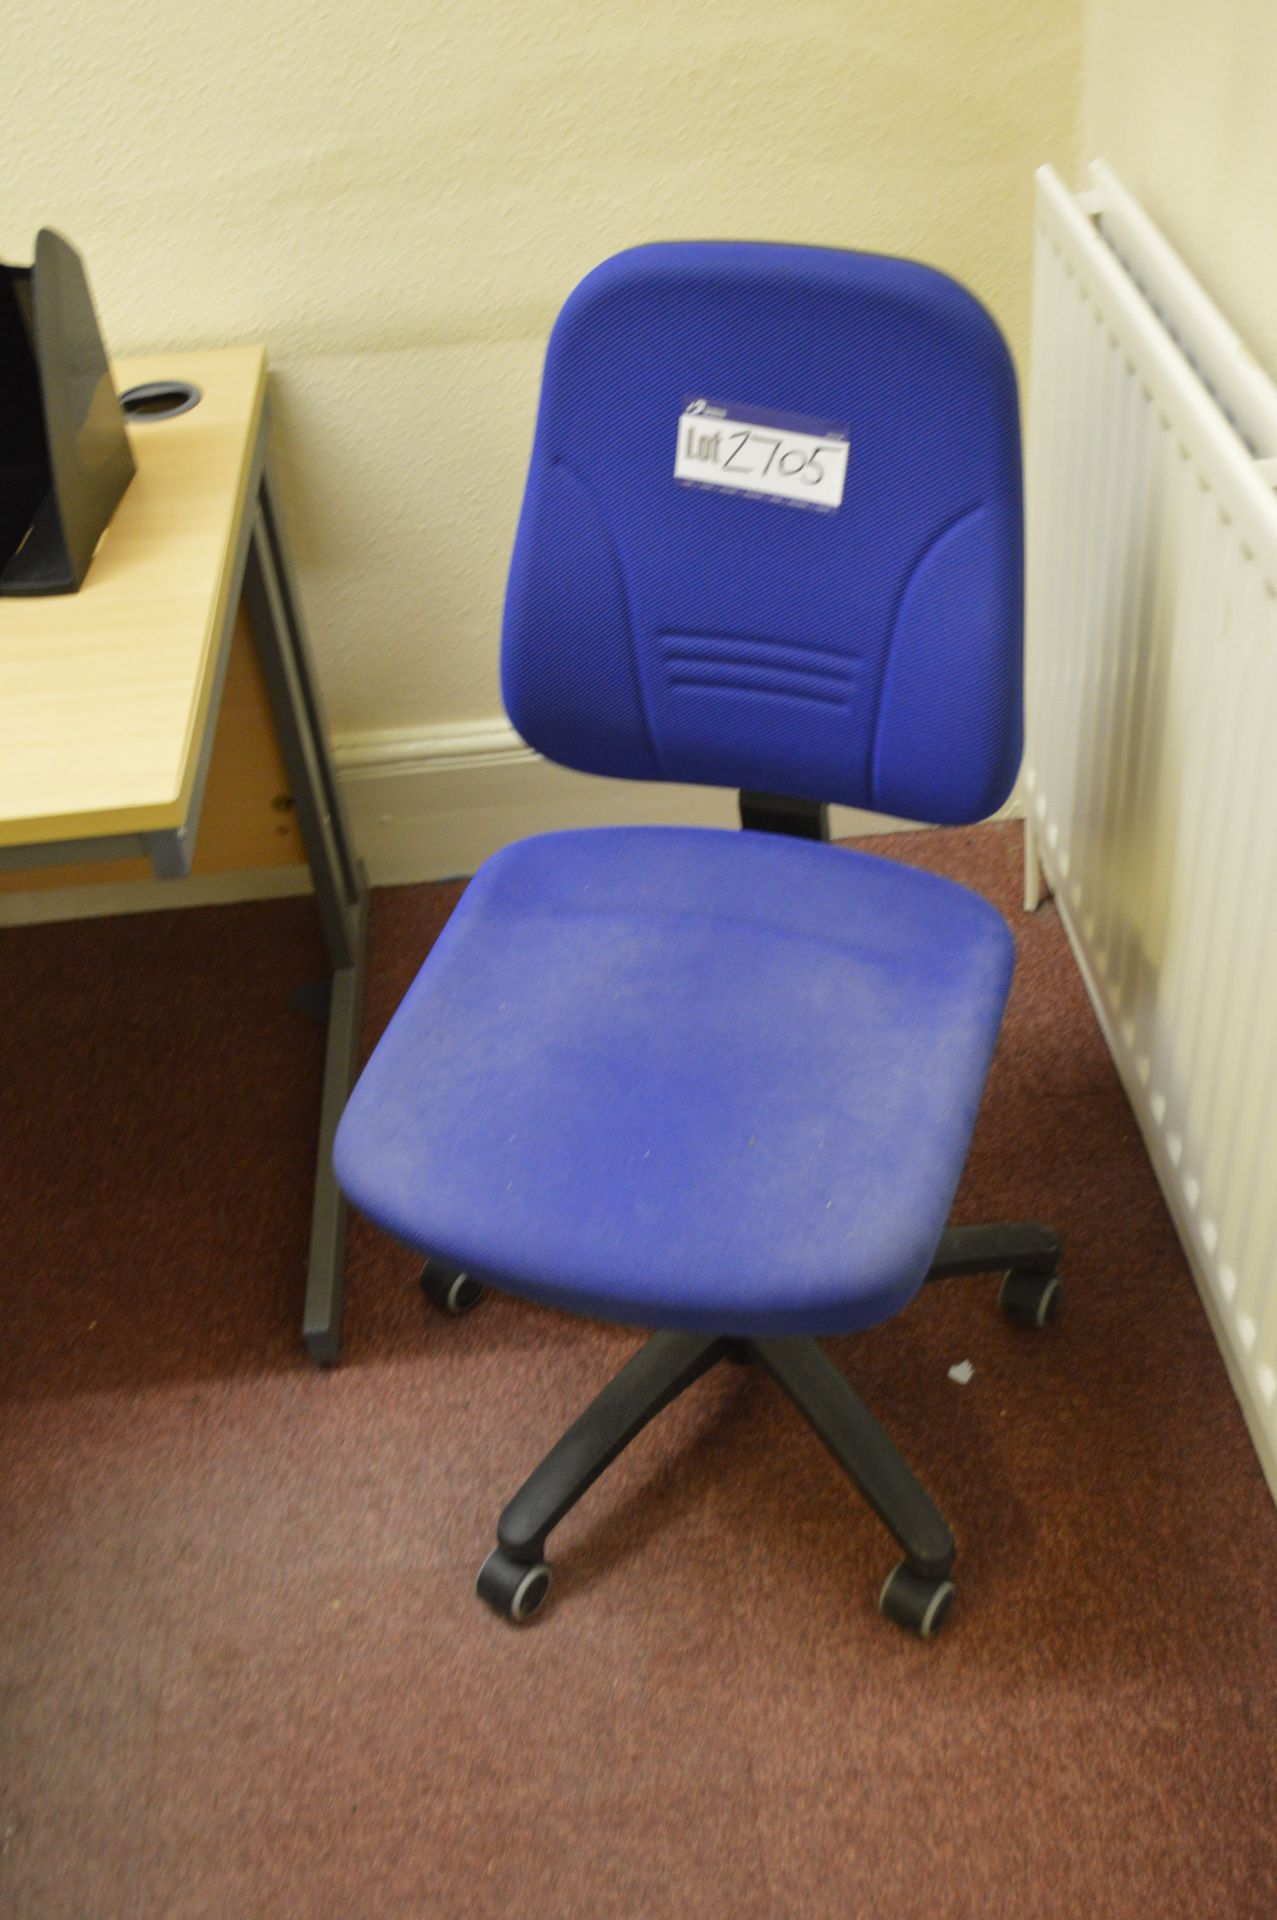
(109, 701)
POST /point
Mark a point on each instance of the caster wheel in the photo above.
(916, 1601)
(515, 1589)
(452, 1291)
(1030, 1299)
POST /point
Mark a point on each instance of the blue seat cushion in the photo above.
(686, 1078)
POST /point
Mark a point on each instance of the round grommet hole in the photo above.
(160, 399)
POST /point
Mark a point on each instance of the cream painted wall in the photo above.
(1181, 99)
(396, 197)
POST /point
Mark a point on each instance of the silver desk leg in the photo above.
(341, 890)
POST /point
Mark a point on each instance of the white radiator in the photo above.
(1151, 766)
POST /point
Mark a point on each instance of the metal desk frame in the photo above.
(260, 573)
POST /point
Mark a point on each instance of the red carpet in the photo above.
(242, 1670)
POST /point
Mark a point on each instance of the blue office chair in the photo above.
(723, 1084)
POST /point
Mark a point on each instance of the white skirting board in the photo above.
(435, 804)
(431, 805)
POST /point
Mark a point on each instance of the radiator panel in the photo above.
(1151, 759)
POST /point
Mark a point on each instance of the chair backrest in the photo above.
(772, 532)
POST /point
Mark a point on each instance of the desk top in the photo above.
(104, 693)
